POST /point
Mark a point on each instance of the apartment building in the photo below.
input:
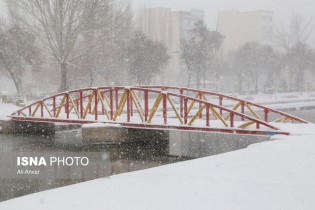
(169, 27)
(241, 27)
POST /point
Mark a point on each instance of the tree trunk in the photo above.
(198, 79)
(15, 81)
(248, 85)
(299, 81)
(257, 85)
(189, 79)
(91, 82)
(16, 84)
(240, 83)
(204, 79)
(302, 80)
(217, 79)
(290, 84)
(12, 75)
(63, 80)
(92, 78)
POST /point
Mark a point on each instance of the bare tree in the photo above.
(254, 60)
(187, 56)
(62, 24)
(17, 53)
(299, 59)
(198, 52)
(102, 62)
(300, 30)
(295, 40)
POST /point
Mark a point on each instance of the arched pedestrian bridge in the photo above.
(158, 107)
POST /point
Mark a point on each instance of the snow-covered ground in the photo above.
(270, 175)
(7, 109)
(279, 97)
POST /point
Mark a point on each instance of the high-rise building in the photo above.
(156, 24)
(169, 28)
(241, 27)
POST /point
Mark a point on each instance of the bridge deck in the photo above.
(157, 107)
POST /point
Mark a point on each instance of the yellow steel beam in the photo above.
(23, 114)
(218, 116)
(98, 100)
(282, 119)
(123, 100)
(247, 124)
(173, 107)
(87, 106)
(34, 112)
(138, 105)
(73, 107)
(103, 105)
(193, 103)
(121, 105)
(204, 97)
(197, 115)
(47, 109)
(234, 108)
(70, 110)
(155, 106)
(106, 99)
(60, 106)
(252, 111)
(138, 102)
(213, 111)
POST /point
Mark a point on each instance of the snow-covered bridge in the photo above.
(157, 107)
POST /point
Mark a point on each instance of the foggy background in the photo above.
(234, 46)
(282, 8)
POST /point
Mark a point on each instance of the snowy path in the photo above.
(271, 175)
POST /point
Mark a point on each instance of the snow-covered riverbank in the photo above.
(7, 109)
(271, 175)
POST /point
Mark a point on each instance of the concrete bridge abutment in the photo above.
(33, 128)
(116, 134)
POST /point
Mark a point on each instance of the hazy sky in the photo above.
(3, 8)
(282, 8)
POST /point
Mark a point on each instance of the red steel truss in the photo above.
(157, 107)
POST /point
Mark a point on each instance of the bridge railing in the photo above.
(152, 105)
(251, 107)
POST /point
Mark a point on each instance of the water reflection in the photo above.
(123, 158)
(169, 147)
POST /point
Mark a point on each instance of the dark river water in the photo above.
(121, 158)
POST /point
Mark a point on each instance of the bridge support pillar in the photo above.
(33, 128)
(102, 133)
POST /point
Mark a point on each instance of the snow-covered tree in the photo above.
(252, 60)
(300, 58)
(296, 40)
(146, 58)
(299, 30)
(199, 50)
(103, 65)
